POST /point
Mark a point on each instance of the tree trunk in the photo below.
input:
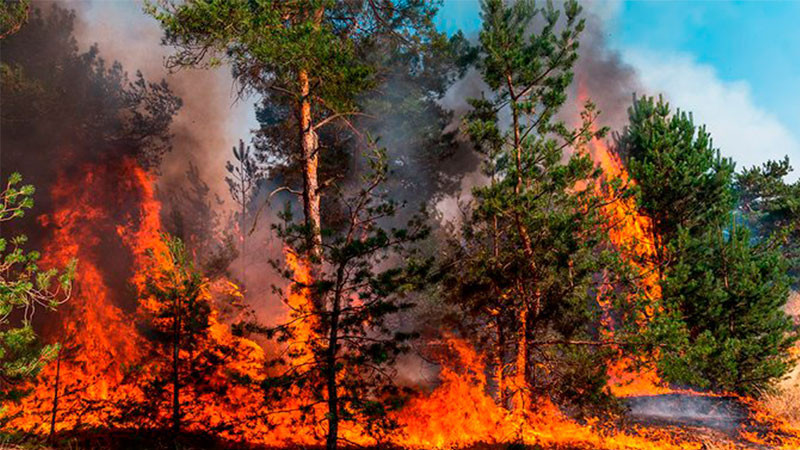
(330, 365)
(55, 396)
(309, 146)
(244, 193)
(500, 362)
(521, 377)
(176, 418)
(310, 155)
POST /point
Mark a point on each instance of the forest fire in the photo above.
(90, 384)
(633, 235)
(101, 371)
(583, 296)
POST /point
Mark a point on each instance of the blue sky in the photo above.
(736, 65)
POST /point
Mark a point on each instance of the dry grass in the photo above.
(785, 402)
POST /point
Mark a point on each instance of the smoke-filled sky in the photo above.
(733, 64)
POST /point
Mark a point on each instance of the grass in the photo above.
(785, 401)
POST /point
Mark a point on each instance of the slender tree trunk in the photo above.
(55, 396)
(521, 380)
(242, 224)
(500, 361)
(176, 418)
(310, 157)
(330, 365)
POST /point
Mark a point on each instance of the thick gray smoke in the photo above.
(211, 120)
(609, 81)
(599, 72)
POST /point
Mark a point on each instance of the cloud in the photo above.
(740, 128)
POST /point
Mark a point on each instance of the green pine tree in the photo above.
(730, 294)
(722, 291)
(312, 57)
(533, 245)
(771, 206)
(23, 288)
(683, 181)
(347, 361)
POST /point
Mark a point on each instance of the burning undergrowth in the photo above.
(107, 372)
(113, 374)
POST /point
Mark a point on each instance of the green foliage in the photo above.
(23, 288)
(269, 39)
(533, 245)
(771, 206)
(358, 295)
(270, 42)
(730, 294)
(722, 325)
(683, 180)
(13, 14)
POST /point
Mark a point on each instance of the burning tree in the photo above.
(534, 255)
(343, 341)
(177, 310)
(23, 288)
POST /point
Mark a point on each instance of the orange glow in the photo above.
(632, 235)
(106, 361)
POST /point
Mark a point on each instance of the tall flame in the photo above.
(104, 358)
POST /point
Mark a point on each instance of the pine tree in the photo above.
(730, 294)
(771, 206)
(722, 291)
(312, 56)
(176, 311)
(23, 288)
(347, 345)
(243, 178)
(195, 217)
(682, 179)
(534, 242)
(194, 366)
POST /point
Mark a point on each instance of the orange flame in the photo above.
(101, 345)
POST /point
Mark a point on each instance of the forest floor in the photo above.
(709, 423)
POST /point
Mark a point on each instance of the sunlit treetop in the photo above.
(270, 42)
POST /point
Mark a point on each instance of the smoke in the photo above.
(599, 71)
(609, 81)
(212, 119)
(722, 413)
(78, 104)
